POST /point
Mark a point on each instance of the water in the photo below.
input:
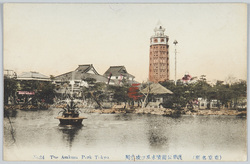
(37, 136)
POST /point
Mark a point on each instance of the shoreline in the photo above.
(171, 112)
(154, 111)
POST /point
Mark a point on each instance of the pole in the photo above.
(175, 42)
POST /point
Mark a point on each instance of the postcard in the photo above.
(156, 82)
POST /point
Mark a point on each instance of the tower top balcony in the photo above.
(159, 29)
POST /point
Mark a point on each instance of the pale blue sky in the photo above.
(55, 38)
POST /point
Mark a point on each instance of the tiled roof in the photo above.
(78, 73)
(85, 68)
(32, 76)
(80, 76)
(117, 71)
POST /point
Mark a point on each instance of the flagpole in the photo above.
(175, 42)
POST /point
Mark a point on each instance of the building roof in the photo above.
(156, 89)
(86, 68)
(33, 76)
(117, 71)
(78, 75)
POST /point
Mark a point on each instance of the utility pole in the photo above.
(175, 42)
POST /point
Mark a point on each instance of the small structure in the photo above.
(205, 104)
(9, 74)
(118, 75)
(187, 78)
(155, 94)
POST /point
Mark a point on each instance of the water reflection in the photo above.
(156, 134)
(10, 113)
(69, 133)
(126, 133)
(123, 117)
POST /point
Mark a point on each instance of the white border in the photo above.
(113, 1)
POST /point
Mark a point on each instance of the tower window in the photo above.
(155, 40)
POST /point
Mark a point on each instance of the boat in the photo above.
(70, 115)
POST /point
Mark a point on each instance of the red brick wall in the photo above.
(158, 63)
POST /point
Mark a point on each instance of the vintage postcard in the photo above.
(125, 82)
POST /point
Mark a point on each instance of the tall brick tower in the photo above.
(158, 57)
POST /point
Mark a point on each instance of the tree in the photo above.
(184, 94)
(238, 89)
(180, 95)
(46, 91)
(133, 92)
(120, 93)
(223, 93)
(95, 91)
(10, 88)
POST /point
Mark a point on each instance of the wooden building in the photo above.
(119, 75)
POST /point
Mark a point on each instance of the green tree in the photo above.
(120, 93)
(44, 90)
(10, 88)
(95, 91)
(181, 94)
(239, 90)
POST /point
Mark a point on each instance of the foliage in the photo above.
(44, 90)
(133, 92)
(120, 93)
(10, 88)
(226, 94)
(95, 91)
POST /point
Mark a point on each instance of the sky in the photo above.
(55, 38)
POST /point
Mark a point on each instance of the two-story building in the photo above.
(119, 75)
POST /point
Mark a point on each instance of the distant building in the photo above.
(33, 76)
(27, 95)
(80, 73)
(119, 75)
(9, 74)
(159, 57)
(77, 79)
(205, 104)
(187, 78)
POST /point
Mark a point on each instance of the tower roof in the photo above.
(159, 27)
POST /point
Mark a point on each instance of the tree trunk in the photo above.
(100, 105)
